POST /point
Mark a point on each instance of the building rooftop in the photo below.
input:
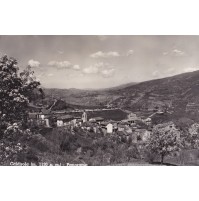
(45, 111)
(65, 117)
(33, 115)
(34, 106)
(98, 118)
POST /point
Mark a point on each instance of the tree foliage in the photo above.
(190, 139)
(14, 144)
(164, 140)
(16, 90)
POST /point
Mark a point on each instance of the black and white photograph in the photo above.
(99, 100)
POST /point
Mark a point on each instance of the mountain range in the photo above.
(173, 93)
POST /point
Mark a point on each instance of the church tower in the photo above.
(84, 117)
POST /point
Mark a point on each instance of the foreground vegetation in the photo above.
(58, 146)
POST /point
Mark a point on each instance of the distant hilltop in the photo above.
(175, 93)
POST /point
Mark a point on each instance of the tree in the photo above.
(16, 91)
(184, 123)
(164, 140)
(190, 139)
(13, 144)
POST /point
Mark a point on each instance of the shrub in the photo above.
(39, 142)
(132, 152)
(150, 156)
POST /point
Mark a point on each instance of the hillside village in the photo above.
(135, 128)
(132, 128)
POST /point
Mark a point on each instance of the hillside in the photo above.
(88, 98)
(172, 93)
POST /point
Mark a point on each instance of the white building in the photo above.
(109, 128)
(148, 121)
(84, 117)
(47, 122)
(60, 123)
(64, 120)
(132, 116)
(42, 116)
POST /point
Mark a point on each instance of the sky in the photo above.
(102, 61)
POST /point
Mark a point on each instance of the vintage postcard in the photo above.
(78, 100)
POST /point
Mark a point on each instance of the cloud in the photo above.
(156, 73)
(129, 53)
(50, 75)
(171, 70)
(177, 52)
(101, 68)
(174, 52)
(165, 53)
(190, 69)
(164, 73)
(76, 67)
(91, 70)
(60, 64)
(34, 63)
(95, 68)
(101, 54)
(108, 72)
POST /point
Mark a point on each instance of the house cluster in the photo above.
(40, 118)
(192, 107)
(132, 127)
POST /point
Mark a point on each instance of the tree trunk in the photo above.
(162, 159)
